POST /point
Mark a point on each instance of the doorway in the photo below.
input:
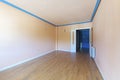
(78, 44)
(82, 41)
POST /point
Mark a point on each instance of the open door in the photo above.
(92, 49)
(73, 41)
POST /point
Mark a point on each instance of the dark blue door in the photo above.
(85, 38)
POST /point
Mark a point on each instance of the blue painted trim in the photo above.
(74, 23)
(95, 9)
(10, 4)
(93, 15)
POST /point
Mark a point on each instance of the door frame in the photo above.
(73, 39)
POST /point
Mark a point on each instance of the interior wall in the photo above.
(22, 36)
(64, 35)
(106, 38)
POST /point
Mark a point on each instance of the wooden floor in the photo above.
(57, 65)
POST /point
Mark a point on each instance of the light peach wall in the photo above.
(106, 27)
(64, 38)
(22, 36)
(64, 35)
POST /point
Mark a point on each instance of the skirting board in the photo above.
(64, 50)
(100, 70)
(24, 61)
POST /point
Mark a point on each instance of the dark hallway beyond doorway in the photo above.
(82, 41)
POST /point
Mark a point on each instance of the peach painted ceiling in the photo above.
(58, 12)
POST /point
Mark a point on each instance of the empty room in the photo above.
(59, 39)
